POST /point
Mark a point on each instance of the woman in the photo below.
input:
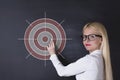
(94, 66)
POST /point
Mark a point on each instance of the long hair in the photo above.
(104, 47)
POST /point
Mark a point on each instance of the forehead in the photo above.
(90, 30)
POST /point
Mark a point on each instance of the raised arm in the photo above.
(72, 69)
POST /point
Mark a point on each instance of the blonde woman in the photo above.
(94, 66)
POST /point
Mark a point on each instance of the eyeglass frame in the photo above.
(88, 38)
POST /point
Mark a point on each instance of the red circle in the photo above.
(45, 39)
(38, 32)
(29, 29)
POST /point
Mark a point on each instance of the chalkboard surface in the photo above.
(15, 17)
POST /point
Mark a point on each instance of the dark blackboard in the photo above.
(15, 64)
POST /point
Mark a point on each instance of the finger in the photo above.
(47, 47)
(49, 44)
(52, 43)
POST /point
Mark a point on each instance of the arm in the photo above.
(69, 70)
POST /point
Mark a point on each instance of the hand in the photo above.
(51, 47)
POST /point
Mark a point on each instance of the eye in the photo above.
(92, 36)
(84, 37)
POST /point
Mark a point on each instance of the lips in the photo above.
(88, 44)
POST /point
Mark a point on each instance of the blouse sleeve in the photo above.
(70, 70)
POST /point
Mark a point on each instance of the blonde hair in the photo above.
(104, 47)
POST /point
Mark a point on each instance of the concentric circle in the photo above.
(38, 35)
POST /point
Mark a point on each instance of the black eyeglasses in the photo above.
(90, 37)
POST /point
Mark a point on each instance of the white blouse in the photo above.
(89, 67)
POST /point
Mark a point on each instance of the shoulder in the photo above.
(86, 59)
(90, 59)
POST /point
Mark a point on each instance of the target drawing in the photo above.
(38, 35)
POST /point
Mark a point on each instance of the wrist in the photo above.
(52, 53)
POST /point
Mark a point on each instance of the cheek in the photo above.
(97, 44)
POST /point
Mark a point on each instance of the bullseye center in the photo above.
(45, 39)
